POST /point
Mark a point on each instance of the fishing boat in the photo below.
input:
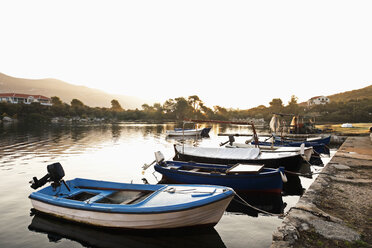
(243, 178)
(315, 140)
(319, 144)
(306, 152)
(188, 132)
(291, 161)
(129, 206)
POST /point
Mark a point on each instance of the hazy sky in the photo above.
(230, 53)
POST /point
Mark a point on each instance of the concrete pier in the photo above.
(336, 210)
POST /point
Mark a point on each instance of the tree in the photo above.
(221, 113)
(195, 102)
(56, 101)
(76, 103)
(78, 107)
(293, 100)
(115, 105)
(182, 108)
(276, 103)
(293, 107)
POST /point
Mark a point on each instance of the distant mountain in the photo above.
(66, 92)
(353, 94)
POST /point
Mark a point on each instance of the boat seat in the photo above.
(195, 170)
(125, 197)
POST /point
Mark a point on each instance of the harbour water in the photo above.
(113, 152)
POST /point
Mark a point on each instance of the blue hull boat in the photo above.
(240, 177)
(129, 206)
(319, 145)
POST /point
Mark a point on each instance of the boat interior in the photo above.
(236, 169)
(123, 197)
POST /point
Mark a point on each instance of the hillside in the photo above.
(66, 92)
(353, 94)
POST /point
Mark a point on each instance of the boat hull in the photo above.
(318, 148)
(206, 215)
(270, 181)
(189, 132)
(308, 151)
(291, 163)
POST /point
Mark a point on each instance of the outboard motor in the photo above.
(231, 140)
(54, 175)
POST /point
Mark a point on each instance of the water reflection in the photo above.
(56, 230)
(50, 141)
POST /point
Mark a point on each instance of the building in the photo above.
(25, 98)
(317, 100)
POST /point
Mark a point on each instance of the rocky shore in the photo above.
(336, 211)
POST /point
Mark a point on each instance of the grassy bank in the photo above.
(357, 129)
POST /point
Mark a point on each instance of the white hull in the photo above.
(205, 215)
(308, 151)
(184, 133)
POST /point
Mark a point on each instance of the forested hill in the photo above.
(364, 93)
(66, 92)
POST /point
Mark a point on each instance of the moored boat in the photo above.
(291, 161)
(129, 206)
(188, 132)
(319, 144)
(243, 178)
(306, 152)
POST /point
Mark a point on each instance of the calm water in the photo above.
(106, 152)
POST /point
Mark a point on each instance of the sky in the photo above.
(235, 54)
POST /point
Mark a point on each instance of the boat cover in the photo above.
(224, 153)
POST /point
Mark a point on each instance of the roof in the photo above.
(316, 97)
(23, 96)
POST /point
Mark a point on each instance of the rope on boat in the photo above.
(306, 174)
(257, 209)
(308, 162)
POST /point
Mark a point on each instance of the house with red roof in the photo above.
(317, 100)
(24, 98)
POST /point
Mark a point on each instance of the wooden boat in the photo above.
(130, 206)
(316, 140)
(306, 152)
(243, 178)
(319, 144)
(189, 132)
(291, 161)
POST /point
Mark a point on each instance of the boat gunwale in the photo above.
(258, 158)
(267, 173)
(138, 213)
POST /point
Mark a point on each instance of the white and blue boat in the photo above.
(129, 206)
(203, 132)
(319, 144)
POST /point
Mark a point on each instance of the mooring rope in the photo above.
(307, 174)
(255, 208)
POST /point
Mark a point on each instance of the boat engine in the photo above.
(54, 175)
